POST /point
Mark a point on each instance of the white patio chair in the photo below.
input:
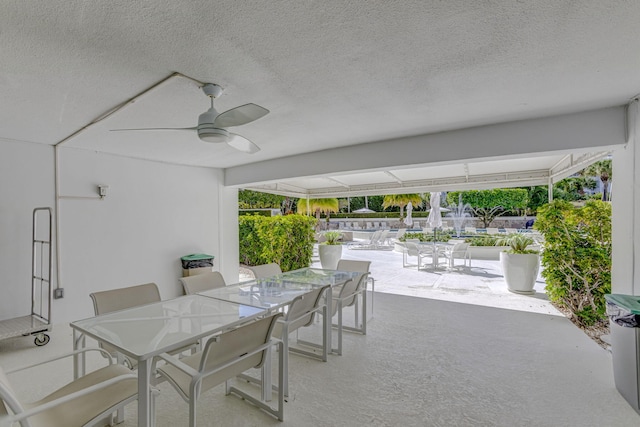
(492, 230)
(399, 234)
(265, 270)
(224, 357)
(470, 230)
(363, 280)
(413, 248)
(300, 314)
(383, 240)
(87, 400)
(416, 225)
(369, 226)
(383, 224)
(202, 282)
(372, 243)
(458, 251)
(122, 298)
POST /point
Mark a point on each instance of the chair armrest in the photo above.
(62, 356)
(64, 399)
(178, 364)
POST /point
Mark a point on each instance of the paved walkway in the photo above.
(482, 284)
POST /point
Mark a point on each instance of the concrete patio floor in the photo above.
(442, 349)
(481, 284)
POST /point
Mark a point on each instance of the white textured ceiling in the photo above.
(333, 73)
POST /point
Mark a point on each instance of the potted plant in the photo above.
(520, 265)
(330, 250)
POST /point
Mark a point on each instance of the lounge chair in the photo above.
(371, 244)
(492, 230)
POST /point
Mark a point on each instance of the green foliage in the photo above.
(489, 204)
(440, 236)
(332, 238)
(577, 256)
(517, 242)
(373, 202)
(248, 199)
(286, 240)
(603, 170)
(401, 200)
(482, 240)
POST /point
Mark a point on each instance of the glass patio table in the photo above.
(144, 332)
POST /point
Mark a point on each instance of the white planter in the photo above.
(520, 271)
(329, 256)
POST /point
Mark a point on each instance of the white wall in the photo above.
(154, 213)
(26, 182)
(625, 200)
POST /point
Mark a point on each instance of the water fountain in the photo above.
(459, 215)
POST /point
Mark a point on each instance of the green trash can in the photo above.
(193, 264)
(624, 319)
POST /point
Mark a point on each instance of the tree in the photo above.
(318, 206)
(489, 204)
(604, 171)
(248, 199)
(401, 200)
(572, 188)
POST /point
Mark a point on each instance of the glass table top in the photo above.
(163, 326)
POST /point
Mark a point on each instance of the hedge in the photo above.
(286, 240)
(577, 257)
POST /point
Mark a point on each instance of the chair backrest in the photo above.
(122, 298)
(202, 282)
(360, 281)
(369, 225)
(265, 270)
(383, 236)
(459, 249)
(119, 299)
(301, 310)
(234, 344)
(412, 247)
(375, 237)
(400, 232)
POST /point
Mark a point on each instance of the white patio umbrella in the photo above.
(408, 220)
(435, 219)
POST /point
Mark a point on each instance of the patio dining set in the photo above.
(211, 335)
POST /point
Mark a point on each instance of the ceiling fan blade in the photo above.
(239, 116)
(242, 144)
(118, 130)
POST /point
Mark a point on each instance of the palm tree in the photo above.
(603, 170)
(401, 200)
(317, 206)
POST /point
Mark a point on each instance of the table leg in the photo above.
(144, 393)
(79, 362)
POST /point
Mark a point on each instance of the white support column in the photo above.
(625, 210)
(550, 190)
(228, 232)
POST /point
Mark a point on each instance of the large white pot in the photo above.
(329, 256)
(520, 271)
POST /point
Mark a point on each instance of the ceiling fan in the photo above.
(212, 126)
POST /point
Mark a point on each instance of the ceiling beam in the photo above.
(595, 129)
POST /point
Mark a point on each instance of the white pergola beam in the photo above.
(595, 129)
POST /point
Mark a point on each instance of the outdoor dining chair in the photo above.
(361, 288)
(301, 313)
(123, 298)
(202, 282)
(265, 270)
(413, 248)
(87, 400)
(224, 357)
(458, 251)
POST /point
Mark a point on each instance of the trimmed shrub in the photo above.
(577, 257)
(286, 240)
(482, 240)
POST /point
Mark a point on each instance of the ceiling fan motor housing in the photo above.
(208, 133)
